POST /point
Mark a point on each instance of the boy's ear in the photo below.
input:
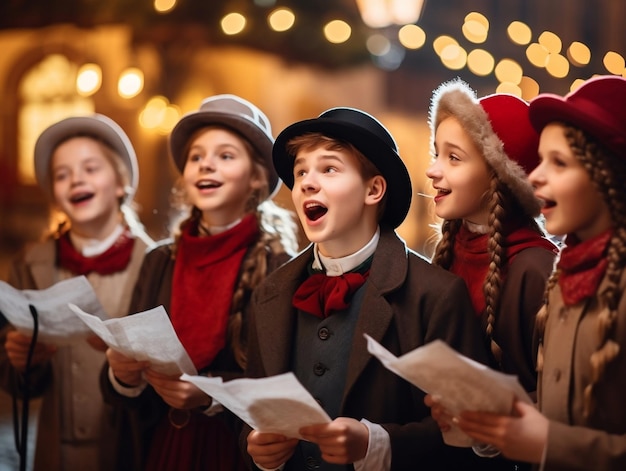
(376, 190)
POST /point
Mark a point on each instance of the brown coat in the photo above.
(407, 303)
(69, 382)
(136, 418)
(569, 340)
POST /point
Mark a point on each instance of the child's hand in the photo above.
(125, 369)
(270, 450)
(439, 413)
(17, 346)
(342, 441)
(175, 392)
(522, 436)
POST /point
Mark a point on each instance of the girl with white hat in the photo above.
(231, 238)
(88, 168)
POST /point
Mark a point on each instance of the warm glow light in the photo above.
(281, 19)
(233, 23)
(614, 63)
(337, 31)
(163, 6)
(578, 54)
(441, 42)
(551, 42)
(537, 55)
(475, 31)
(557, 65)
(529, 87)
(519, 33)
(478, 17)
(152, 114)
(575, 84)
(88, 79)
(130, 83)
(508, 87)
(509, 71)
(454, 57)
(378, 45)
(382, 13)
(480, 62)
(412, 36)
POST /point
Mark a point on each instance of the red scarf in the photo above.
(582, 266)
(471, 258)
(321, 295)
(205, 274)
(113, 260)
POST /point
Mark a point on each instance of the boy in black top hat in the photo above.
(351, 190)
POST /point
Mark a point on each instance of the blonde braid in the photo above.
(608, 173)
(542, 316)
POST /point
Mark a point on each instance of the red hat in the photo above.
(499, 126)
(598, 107)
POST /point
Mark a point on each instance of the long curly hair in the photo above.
(608, 173)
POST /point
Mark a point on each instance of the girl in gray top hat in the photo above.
(232, 237)
(88, 168)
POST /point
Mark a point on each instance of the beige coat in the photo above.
(569, 340)
(72, 410)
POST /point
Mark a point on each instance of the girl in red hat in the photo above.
(580, 423)
(87, 167)
(231, 236)
(483, 150)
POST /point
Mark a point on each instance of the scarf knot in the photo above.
(582, 266)
(112, 260)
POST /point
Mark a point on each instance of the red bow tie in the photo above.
(320, 294)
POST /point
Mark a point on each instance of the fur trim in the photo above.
(456, 98)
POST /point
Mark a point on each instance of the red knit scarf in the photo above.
(471, 258)
(205, 274)
(582, 266)
(113, 260)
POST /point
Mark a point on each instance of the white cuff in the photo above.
(133, 391)
(378, 456)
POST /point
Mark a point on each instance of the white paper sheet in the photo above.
(57, 323)
(277, 404)
(145, 336)
(461, 383)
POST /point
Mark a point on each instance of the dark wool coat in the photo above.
(136, 418)
(407, 303)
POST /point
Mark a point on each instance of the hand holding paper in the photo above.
(278, 404)
(145, 336)
(57, 323)
(461, 383)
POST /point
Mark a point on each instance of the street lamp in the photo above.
(382, 13)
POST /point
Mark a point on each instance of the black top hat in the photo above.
(370, 137)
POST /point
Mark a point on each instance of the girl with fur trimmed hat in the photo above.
(87, 167)
(232, 236)
(580, 423)
(483, 150)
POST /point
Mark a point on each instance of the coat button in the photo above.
(323, 333)
(311, 463)
(557, 375)
(562, 313)
(319, 369)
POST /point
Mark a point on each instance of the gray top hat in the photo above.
(233, 112)
(96, 125)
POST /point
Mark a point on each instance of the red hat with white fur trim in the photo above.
(500, 127)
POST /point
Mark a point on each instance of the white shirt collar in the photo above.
(339, 266)
(93, 247)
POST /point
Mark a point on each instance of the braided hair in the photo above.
(608, 173)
